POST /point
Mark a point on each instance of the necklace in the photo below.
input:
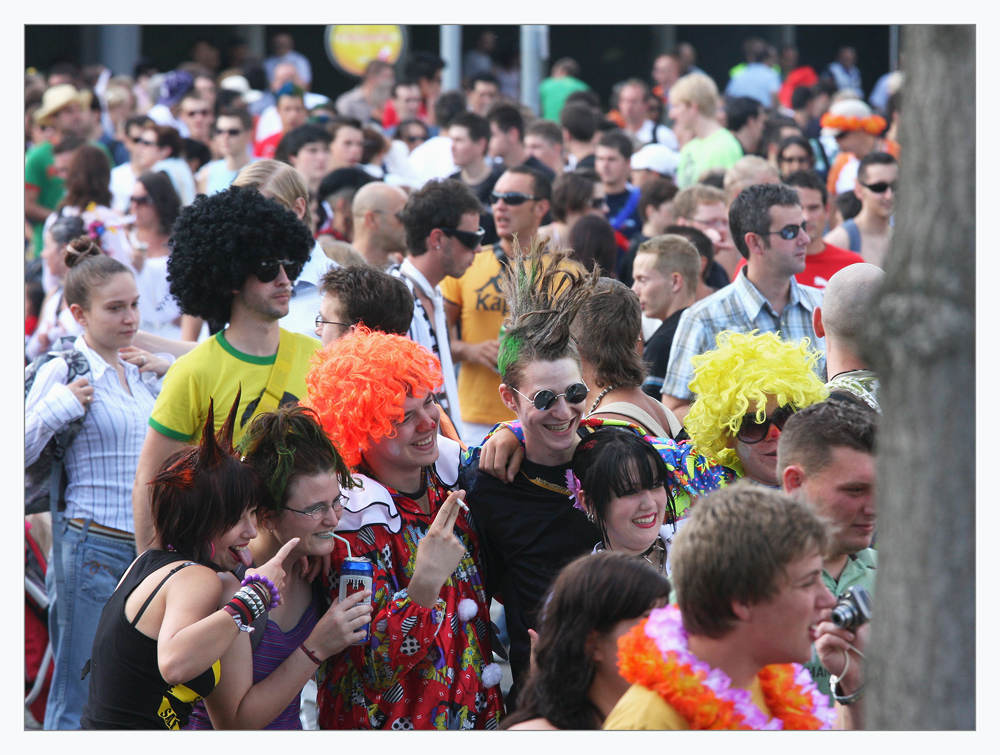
(602, 394)
(655, 654)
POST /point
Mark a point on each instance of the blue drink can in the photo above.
(356, 575)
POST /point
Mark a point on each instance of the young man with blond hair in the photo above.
(694, 101)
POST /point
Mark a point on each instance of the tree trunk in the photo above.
(921, 340)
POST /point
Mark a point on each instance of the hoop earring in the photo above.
(212, 554)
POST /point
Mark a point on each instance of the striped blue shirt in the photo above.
(740, 307)
(100, 464)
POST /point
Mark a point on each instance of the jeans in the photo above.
(92, 564)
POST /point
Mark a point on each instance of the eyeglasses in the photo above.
(318, 511)
(716, 223)
(880, 187)
(512, 198)
(140, 200)
(269, 269)
(148, 143)
(789, 232)
(753, 432)
(192, 113)
(228, 131)
(544, 399)
(414, 139)
(468, 239)
(320, 322)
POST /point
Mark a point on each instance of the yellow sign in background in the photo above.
(352, 47)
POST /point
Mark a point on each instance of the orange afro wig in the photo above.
(358, 383)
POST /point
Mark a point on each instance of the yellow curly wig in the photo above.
(358, 383)
(746, 369)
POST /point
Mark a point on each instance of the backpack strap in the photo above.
(282, 368)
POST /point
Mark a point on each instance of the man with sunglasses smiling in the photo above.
(868, 233)
(475, 306)
(768, 228)
(235, 256)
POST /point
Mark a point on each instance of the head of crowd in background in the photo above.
(88, 178)
(592, 243)
(752, 213)
(745, 388)
(278, 181)
(605, 331)
(575, 194)
(157, 194)
(220, 241)
(440, 218)
(362, 296)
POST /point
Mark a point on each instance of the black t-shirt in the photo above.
(716, 276)
(482, 191)
(528, 534)
(656, 354)
(625, 266)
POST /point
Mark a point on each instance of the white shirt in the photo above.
(123, 180)
(304, 304)
(101, 462)
(159, 312)
(432, 159)
(664, 135)
(435, 339)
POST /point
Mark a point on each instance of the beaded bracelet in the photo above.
(275, 595)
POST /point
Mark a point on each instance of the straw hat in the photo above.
(55, 99)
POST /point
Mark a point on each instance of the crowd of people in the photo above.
(581, 388)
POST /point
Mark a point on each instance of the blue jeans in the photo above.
(92, 565)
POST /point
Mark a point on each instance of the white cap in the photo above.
(657, 158)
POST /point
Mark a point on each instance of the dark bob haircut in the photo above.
(613, 462)
(202, 491)
(219, 239)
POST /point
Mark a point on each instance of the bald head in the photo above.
(848, 299)
(377, 196)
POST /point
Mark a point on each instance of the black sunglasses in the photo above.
(228, 131)
(414, 139)
(148, 143)
(789, 232)
(599, 203)
(269, 269)
(468, 239)
(140, 200)
(513, 198)
(545, 398)
(881, 187)
(753, 432)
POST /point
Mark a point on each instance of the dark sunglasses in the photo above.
(228, 131)
(880, 187)
(414, 139)
(140, 140)
(789, 232)
(140, 200)
(544, 399)
(513, 198)
(269, 269)
(599, 204)
(468, 239)
(752, 432)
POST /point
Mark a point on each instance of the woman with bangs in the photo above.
(620, 480)
(303, 476)
(428, 663)
(161, 635)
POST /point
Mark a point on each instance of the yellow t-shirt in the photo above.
(642, 709)
(477, 294)
(215, 370)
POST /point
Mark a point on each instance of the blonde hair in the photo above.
(688, 200)
(698, 89)
(278, 180)
(747, 369)
(674, 254)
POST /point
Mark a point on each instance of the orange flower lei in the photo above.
(873, 124)
(679, 678)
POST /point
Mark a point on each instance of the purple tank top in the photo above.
(270, 653)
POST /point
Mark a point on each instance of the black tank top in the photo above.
(126, 688)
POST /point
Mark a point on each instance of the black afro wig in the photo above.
(219, 239)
